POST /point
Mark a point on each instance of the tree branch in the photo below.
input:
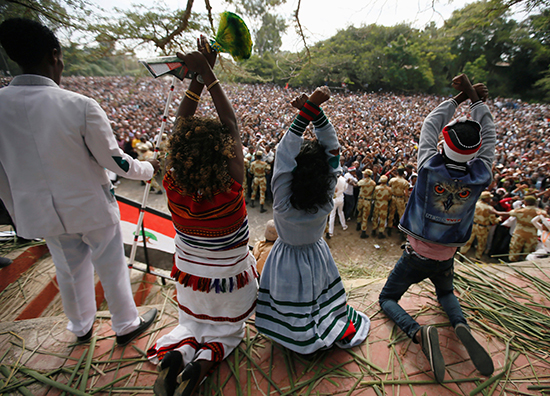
(299, 28)
(52, 15)
(182, 26)
(209, 10)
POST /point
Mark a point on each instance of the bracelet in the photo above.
(193, 96)
(213, 83)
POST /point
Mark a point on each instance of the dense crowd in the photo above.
(299, 301)
(376, 128)
(379, 130)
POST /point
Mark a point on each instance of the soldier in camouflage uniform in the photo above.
(366, 189)
(399, 193)
(484, 217)
(524, 237)
(245, 180)
(259, 169)
(382, 196)
(145, 154)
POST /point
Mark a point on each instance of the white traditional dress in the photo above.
(302, 302)
(215, 273)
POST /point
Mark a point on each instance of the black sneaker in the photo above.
(381, 236)
(145, 321)
(480, 357)
(430, 347)
(364, 235)
(327, 236)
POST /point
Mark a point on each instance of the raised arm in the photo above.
(466, 89)
(480, 112)
(201, 63)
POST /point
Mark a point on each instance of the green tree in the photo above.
(435, 45)
(478, 30)
(544, 85)
(476, 70)
(268, 37)
(529, 60)
(407, 66)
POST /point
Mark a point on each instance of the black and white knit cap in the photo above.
(459, 143)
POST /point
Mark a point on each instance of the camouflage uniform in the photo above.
(144, 154)
(245, 184)
(259, 169)
(484, 218)
(524, 237)
(163, 151)
(366, 188)
(382, 196)
(399, 189)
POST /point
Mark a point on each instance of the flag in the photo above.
(158, 229)
(164, 65)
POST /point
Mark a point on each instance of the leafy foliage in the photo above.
(481, 39)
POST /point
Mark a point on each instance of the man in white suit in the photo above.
(54, 148)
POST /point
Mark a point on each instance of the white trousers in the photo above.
(338, 206)
(541, 252)
(75, 256)
(198, 341)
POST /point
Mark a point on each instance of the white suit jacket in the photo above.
(54, 147)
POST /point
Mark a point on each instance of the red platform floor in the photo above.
(387, 363)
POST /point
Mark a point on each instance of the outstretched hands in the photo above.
(482, 91)
(462, 83)
(318, 97)
(204, 47)
(201, 61)
(195, 61)
(299, 101)
(473, 92)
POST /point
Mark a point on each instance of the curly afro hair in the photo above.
(312, 178)
(198, 152)
(26, 41)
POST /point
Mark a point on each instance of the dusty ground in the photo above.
(356, 257)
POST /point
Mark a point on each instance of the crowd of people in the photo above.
(378, 132)
(239, 136)
(377, 128)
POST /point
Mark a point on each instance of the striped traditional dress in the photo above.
(302, 302)
(215, 273)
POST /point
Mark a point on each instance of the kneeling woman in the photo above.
(302, 302)
(216, 276)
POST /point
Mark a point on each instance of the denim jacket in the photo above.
(442, 203)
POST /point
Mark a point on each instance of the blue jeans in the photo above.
(411, 269)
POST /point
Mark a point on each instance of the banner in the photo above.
(159, 233)
(164, 65)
